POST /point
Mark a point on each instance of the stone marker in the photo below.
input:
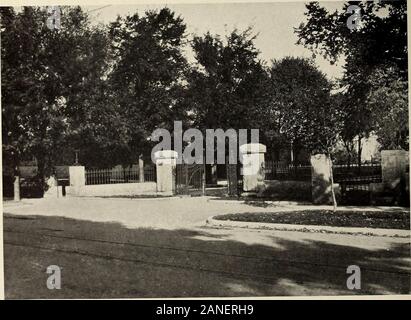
(166, 161)
(253, 167)
(393, 165)
(321, 179)
(77, 179)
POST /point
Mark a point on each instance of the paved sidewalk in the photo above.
(163, 213)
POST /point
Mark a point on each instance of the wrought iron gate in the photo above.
(190, 179)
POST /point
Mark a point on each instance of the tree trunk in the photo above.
(41, 164)
(141, 168)
(332, 184)
(276, 155)
(349, 147)
(203, 178)
(17, 185)
(359, 153)
(16, 173)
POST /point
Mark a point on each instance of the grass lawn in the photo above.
(360, 219)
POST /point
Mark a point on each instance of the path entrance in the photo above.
(190, 179)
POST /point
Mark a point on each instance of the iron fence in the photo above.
(112, 176)
(284, 171)
(358, 174)
(189, 178)
(150, 173)
(355, 182)
(120, 175)
(366, 173)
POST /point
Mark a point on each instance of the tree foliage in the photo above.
(301, 108)
(147, 73)
(228, 86)
(49, 78)
(389, 101)
(379, 43)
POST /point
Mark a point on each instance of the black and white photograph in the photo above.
(205, 150)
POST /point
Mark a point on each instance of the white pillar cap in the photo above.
(165, 154)
(253, 148)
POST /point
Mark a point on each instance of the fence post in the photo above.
(166, 161)
(253, 167)
(77, 179)
(141, 168)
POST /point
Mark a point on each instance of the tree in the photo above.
(379, 41)
(297, 88)
(48, 74)
(147, 73)
(302, 106)
(389, 101)
(380, 37)
(228, 86)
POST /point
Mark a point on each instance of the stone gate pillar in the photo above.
(77, 179)
(166, 161)
(394, 164)
(253, 167)
(321, 179)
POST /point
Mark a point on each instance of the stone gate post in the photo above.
(166, 161)
(321, 179)
(77, 179)
(393, 166)
(253, 167)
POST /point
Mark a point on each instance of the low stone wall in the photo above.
(107, 190)
(288, 190)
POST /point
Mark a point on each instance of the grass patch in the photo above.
(358, 219)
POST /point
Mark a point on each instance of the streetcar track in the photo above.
(234, 275)
(267, 259)
(158, 264)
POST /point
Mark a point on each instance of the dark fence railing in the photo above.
(284, 171)
(150, 173)
(119, 175)
(367, 172)
(355, 182)
(189, 178)
(111, 176)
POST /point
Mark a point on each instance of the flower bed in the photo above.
(340, 218)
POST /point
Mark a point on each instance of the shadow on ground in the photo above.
(108, 260)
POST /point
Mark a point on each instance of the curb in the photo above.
(276, 202)
(125, 198)
(211, 221)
